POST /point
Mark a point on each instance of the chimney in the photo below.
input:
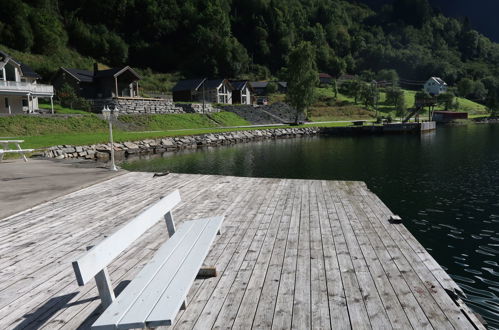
(96, 67)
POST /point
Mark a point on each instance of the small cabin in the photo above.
(448, 116)
(97, 84)
(325, 78)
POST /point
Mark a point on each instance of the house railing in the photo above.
(16, 86)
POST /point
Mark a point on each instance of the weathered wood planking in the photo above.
(293, 254)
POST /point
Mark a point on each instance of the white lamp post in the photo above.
(109, 115)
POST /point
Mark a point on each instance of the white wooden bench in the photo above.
(157, 293)
(19, 150)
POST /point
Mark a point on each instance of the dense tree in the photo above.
(271, 87)
(334, 87)
(240, 38)
(369, 95)
(351, 89)
(302, 78)
(393, 95)
(388, 75)
(448, 100)
(399, 103)
(413, 12)
(465, 87)
(67, 97)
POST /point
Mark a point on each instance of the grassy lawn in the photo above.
(33, 125)
(339, 112)
(166, 122)
(36, 142)
(59, 109)
(465, 105)
(47, 140)
(91, 123)
(344, 108)
(181, 121)
(40, 132)
(228, 119)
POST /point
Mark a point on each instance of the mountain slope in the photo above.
(235, 38)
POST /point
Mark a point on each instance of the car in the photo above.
(262, 101)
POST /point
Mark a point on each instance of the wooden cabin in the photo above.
(97, 84)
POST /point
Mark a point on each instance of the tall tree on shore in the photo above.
(302, 78)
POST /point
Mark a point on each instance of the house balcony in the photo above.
(24, 88)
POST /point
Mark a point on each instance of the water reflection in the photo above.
(444, 184)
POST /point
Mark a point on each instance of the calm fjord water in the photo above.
(445, 185)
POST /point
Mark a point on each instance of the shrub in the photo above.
(67, 97)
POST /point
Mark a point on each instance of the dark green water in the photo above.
(445, 185)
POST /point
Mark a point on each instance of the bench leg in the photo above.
(22, 153)
(105, 288)
(184, 304)
(170, 224)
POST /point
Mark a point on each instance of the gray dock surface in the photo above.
(302, 254)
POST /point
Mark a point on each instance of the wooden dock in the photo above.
(302, 254)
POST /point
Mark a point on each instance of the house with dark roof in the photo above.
(260, 87)
(435, 86)
(325, 78)
(99, 84)
(19, 89)
(282, 87)
(346, 77)
(242, 93)
(197, 90)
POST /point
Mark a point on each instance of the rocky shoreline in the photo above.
(486, 120)
(101, 152)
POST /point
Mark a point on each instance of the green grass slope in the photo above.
(344, 107)
(38, 131)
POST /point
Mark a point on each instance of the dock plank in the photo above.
(293, 254)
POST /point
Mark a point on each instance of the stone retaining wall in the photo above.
(150, 106)
(197, 107)
(102, 151)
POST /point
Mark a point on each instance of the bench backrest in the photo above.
(97, 258)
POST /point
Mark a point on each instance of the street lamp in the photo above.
(109, 115)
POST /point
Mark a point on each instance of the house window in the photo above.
(6, 102)
(25, 102)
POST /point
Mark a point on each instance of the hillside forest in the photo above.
(252, 39)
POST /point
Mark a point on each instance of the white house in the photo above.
(435, 86)
(218, 91)
(19, 90)
(242, 93)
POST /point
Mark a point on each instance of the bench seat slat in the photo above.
(111, 316)
(135, 303)
(16, 151)
(138, 313)
(166, 309)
